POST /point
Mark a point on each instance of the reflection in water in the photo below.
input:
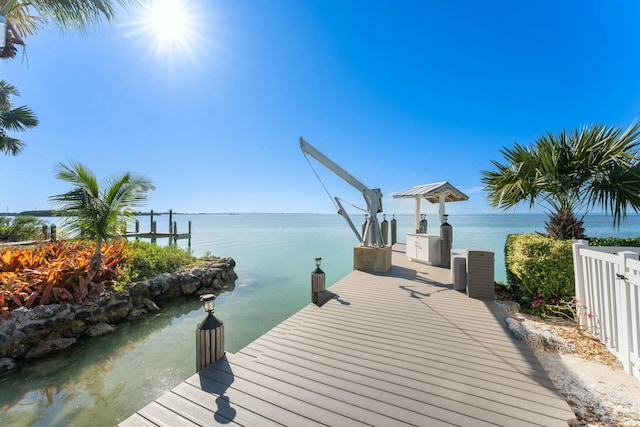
(87, 385)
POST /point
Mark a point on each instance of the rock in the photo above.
(511, 307)
(18, 350)
(136, 313)
(517, 329)
(189, 287)
(151, 305)
(7, 364)
(82, 313)
(538, 338)
(100, 329)
(74, 328)
(44, 311)
(155, 287)
(45, 329)
(49, 346)
(138, 289)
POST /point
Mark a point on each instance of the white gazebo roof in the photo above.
(438, 192)
(432, 193)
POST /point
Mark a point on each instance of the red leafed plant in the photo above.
(54, 272)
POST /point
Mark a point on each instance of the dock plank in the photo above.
(389, 349)
(164, 417)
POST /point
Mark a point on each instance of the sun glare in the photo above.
(167, 21)
(171, 28)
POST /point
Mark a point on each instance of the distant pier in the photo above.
(153, 234)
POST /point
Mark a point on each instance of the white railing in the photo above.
(608, 298)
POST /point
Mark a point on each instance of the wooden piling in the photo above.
(394, 230)
(173, 235)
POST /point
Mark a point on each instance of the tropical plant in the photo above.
(54, 272)
(25, 18)
(94, 213)
(13, 119)
(568, 173)
(149, 259)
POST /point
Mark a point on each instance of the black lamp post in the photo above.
(317, 282)
(209, 336)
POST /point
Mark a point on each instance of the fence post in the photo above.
(578, 274)
(623, 316)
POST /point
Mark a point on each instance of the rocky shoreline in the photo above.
(33, 333)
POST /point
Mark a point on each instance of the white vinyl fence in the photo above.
(608, 298)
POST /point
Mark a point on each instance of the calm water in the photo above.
(106, 379)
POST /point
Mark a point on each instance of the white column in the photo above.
(578, 274)
(623, 303)
(417, 215)
(441, 210)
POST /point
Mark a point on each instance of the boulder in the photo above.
(45, 347)
(100, 329)
(6, 364)
(151, 306)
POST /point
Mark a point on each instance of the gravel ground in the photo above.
(590, 378)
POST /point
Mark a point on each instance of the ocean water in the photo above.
(104, 380)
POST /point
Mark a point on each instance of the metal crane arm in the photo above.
(331, 165)
(372, 235)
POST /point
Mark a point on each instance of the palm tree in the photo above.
(94, 213)
(568, 173)
(25, 18)
(13, 119)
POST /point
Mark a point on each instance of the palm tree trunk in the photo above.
(97, 262)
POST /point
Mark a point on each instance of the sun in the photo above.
(168, 22)
(171, 28)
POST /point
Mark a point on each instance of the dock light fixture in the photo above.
(3, 32)
(317, 283)
(209, 336)
(208, 299)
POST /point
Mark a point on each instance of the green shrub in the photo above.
(540, 270)
(20, 228)
(615, 241)
(149, 259)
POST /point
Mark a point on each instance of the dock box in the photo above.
(480, 274)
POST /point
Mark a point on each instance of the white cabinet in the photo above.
(423, 248)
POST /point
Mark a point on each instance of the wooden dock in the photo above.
(153, 234)
(400, 348)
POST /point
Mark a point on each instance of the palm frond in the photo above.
(9, 145)
(18, 119)
(93, 213)
(569, 172)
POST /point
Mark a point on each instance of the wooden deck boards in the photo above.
(400, 348)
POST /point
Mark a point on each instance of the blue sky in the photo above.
(398, 93)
